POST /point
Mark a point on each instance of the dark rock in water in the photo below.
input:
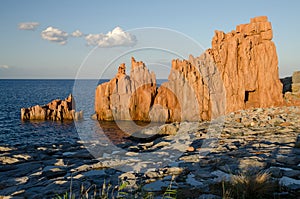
(57, 110)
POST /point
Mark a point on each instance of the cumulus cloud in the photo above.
(77, 33)
(4, 66)
(28, 25)
(116, 37)
(55, 35)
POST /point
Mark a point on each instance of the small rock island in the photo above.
(57, 110)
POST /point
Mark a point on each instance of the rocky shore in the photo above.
(211, 152)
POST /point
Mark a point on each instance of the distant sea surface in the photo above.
(15, 94)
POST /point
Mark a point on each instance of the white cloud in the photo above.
(116, 37)
(4, 67)
(77, 33)
(55, 35)
(28, 25)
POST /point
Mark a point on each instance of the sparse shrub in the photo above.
(250, 185)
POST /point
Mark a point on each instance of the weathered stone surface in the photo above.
(57, 110)
(240, 71)
(126, 97)
(265, 145)
(247, 61)
(194, 92)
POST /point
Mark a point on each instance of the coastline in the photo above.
(266, 139)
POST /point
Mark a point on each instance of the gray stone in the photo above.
(192, 181)
(290, 183)
(251, 163)
(130, 179)
(275, 172)
(220, 176)
(292, 174)
(209, 196)
(156, 186)
(152, 174)
(94, 173)
(53, 172)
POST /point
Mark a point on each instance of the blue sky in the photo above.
(50, 50)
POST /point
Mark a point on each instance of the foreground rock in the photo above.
(240, 71)
(57, 110)
(210, 152)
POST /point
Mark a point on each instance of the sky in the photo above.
(89, 39)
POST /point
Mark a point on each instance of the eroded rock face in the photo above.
(193, 88)
(127, 97)
(57, 110)
(247, 62)
(240, 71)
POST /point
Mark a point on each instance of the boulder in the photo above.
(57, 110)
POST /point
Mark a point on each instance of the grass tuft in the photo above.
(250, 185)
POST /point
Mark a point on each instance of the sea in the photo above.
(19, 93)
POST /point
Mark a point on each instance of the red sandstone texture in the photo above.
(240, 71)
(127, 97)
(247, 62)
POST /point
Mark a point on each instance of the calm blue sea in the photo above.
(16, 94)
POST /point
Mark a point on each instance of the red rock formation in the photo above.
(247, 61)
(189, 95)
(239, 71)
(126, 97)
(57, 110)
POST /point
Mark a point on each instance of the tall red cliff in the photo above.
(126, 97)
(247, 62)
(240, 71)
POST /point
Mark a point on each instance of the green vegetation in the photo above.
(122, 191)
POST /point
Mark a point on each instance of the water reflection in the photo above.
(119, 131)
